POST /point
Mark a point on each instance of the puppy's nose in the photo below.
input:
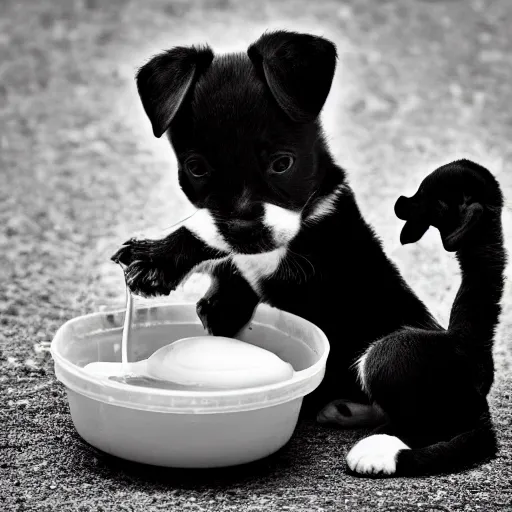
(242, 224)
(246, 208)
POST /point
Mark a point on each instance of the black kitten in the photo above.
(278, 223)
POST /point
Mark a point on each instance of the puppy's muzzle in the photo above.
(241, 226)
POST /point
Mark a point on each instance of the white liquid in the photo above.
(127, 327)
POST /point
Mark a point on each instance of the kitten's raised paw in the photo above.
(454, 199)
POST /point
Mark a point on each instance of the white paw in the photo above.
(375, 455)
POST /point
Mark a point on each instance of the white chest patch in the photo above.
(255, 267)
(203, 226)
(326, 205)
(284, 224)
(375, 455)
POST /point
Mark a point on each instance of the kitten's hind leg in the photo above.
(347, 414)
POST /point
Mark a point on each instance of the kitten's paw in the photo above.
(453, 199)
(348, 414)
(375, 455)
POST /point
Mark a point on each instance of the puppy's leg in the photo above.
(228, 305)
(157, 267)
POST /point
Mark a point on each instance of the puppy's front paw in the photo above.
(375, 455)
(222, 316)
(453, 199)
(146, 274)
(132, 250)
(146, 280)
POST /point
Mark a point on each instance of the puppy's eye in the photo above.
(196, 167)
(282, 164)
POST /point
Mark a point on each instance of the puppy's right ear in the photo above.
(165, 80)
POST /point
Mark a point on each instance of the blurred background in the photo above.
(419, 83)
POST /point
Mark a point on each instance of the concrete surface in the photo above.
(419, 83)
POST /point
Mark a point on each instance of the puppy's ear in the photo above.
(298, 68)
(165, 80)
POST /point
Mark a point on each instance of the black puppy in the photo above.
(278, 223)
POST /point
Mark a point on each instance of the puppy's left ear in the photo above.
(165, 80)
(298, 69)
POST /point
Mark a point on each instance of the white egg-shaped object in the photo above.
(211, 362)
(217, 362)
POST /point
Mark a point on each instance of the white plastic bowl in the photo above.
(176, 428)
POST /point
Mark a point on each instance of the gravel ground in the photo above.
(419, 83)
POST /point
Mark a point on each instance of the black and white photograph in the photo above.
(255, 255)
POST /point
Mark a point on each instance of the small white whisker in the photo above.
(304, 258)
